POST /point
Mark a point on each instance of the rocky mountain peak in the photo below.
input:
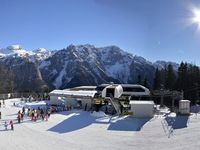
(77, 65)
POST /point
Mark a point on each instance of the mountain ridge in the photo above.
(78, 65)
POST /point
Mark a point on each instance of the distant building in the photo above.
(74, 97)
(120, 96)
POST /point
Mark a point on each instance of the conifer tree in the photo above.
(170, 78)
(157, 79)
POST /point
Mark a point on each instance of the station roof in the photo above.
(141, 102)
(84, 88)
(80, 93)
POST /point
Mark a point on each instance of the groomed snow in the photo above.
(79, 130)
(98, 114)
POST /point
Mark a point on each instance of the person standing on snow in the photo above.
(6, 125)
(42, 114)
(0, 114)
(35, 115)
(32, 114)
(23, 110)
(19, 116)
(48, 113)
(28, 112)
(11, 125)
(22, 116)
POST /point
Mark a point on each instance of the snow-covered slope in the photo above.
(116, 62)
(80, 130)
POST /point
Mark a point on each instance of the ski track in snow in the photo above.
(81, 130)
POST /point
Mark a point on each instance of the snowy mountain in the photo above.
(76, 65)
(18, 51)
(23, 66)
(14, 50)
(41, 54)
(88, 65)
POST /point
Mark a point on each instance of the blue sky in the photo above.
(154, 29)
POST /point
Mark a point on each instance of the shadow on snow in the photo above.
(83, 119)
(75, 122)
(128, 124)
(178, 122)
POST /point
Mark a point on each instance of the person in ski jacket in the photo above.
(6, 125)
(42, 114)
(32, 114)
(23, 110)
(11, 125)
(22, 116)
(19, 116)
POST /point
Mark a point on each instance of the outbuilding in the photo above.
(73, 98)
(142, 109)
(184, 107)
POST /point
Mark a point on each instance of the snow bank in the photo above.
(162, 110)
(98, 114)
(172, 115)
(35, 105)
(19, 103)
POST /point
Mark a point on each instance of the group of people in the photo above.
(6, 123)
(39, 113)
(10, 123)
(34, 114)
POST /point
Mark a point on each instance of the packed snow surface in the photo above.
(98, 114)
(79, 130)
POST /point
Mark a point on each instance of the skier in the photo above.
(11, 125)
(0, 114)
(23, 110)
(35, 115)
(6, 125)
(48, 113)
(38, 112)
(22, 116)
(46, 117)
(0, 104)
(42, 114)
(32, 115)
(19, 116)
(28, 112)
